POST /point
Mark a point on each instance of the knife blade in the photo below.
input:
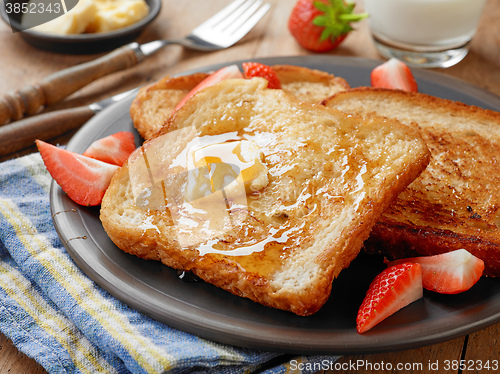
(21, 134)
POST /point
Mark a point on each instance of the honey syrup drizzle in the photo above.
(264, 252)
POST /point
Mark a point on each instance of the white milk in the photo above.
(425, 24)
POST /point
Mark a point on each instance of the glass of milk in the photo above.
(424, 33)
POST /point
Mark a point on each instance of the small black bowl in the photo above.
(84, 43)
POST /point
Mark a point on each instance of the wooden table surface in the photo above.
(22, 64)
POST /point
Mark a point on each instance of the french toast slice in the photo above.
(455, 203)
(312, 182)
(156, 102)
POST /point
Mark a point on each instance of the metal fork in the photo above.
(220, 31)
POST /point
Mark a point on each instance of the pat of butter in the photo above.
(222, 166)
(73, 22)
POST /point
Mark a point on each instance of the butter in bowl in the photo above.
(84, 26)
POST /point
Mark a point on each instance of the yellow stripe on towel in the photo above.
(147, 355)
(83, 354)
(33, 163)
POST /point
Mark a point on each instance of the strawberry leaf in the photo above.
(321, 6)
(325, 34)
(336, 18)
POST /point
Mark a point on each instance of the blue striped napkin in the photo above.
(55, 314)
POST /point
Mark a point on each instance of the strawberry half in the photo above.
(113, 149)
(393, 289)
(394, 74)
(84, 179)
(256, 69)
(448, 273)
(228, 72)
(321, 25)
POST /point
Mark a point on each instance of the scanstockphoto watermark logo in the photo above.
(179, 172)
(338, 366)
(26, 14)
(209, 187)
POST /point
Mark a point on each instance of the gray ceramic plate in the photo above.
(209, 312)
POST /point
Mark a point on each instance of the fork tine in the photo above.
(239, 31)
(239, 18)
(222, 14)
(239, 15)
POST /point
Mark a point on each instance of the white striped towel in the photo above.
(55, 314)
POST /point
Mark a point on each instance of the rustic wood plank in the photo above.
(482, 354)
(425, 360)
(15, 362)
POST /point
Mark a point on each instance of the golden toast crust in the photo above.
(455, 203)
(330, 178)
(156, 102)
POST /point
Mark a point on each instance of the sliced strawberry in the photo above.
(228, 72)
(448, 273)
(394, 74)
(113, 149)
(391, 290)
(256, 69)
(84, 179)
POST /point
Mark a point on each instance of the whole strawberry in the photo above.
(321, 25)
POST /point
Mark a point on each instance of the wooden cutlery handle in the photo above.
(28, 100)
(21, 134)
